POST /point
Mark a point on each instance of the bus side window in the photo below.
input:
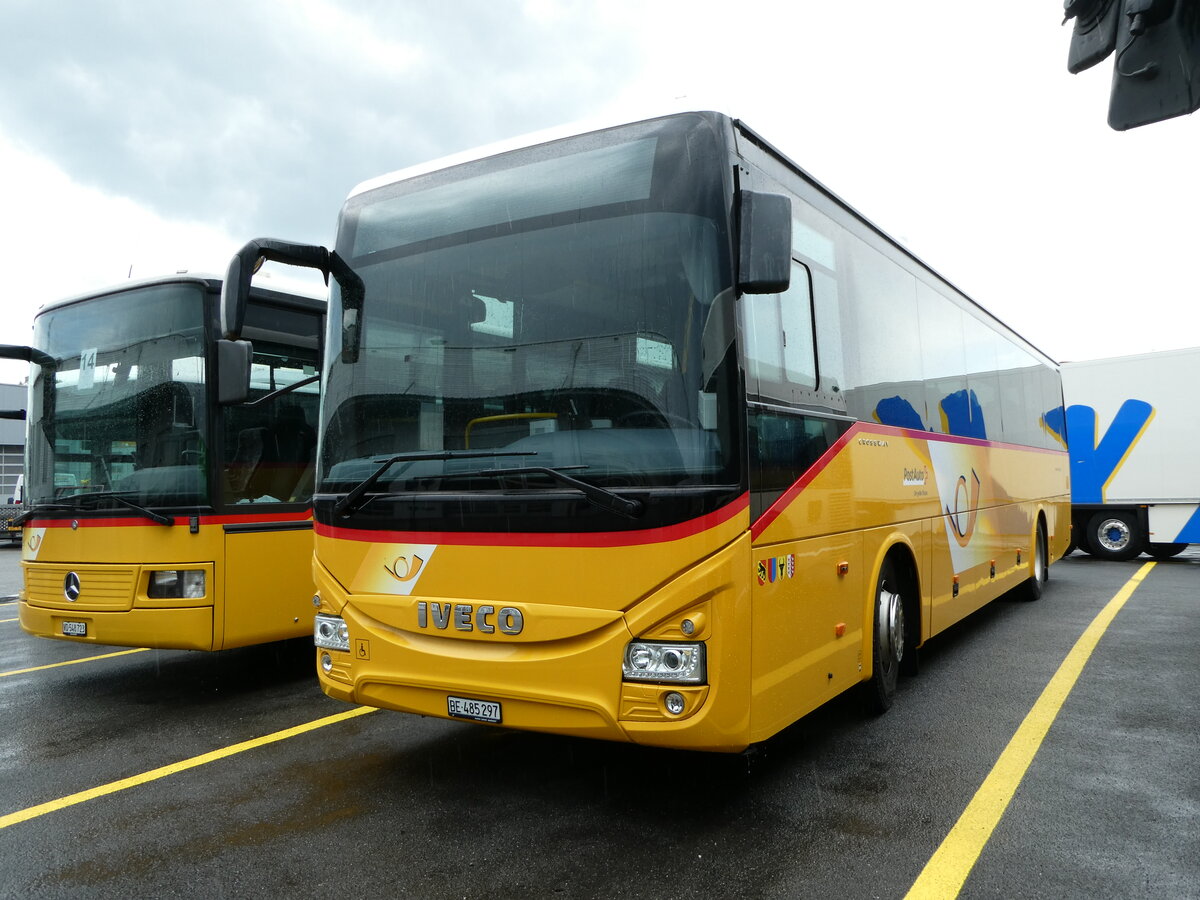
(780, 356)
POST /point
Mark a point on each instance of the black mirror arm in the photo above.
(235, 291)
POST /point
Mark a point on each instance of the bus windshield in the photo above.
(122, 409)
(555, 310)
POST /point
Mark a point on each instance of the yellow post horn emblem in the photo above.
(404, 570)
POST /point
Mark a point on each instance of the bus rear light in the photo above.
(176, 584)
(653, 661)
(331, 633)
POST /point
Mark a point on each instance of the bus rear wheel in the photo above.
(887, 639)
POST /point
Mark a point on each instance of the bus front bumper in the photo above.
(180, 628)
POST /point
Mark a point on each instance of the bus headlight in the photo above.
(331, 633)
(653, 661)
(176, 584)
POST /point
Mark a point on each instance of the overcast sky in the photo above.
(142, 137)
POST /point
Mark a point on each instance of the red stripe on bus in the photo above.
(773, 511)
(127, 522)
(547, 539)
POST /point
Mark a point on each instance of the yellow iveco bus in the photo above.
(642, 434)
(159, 513)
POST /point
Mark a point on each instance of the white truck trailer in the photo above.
(1133, 433)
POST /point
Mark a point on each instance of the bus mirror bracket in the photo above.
(235, 290)
(233, 371)
(29, 354)
(764, 242)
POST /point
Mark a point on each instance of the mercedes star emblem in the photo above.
(71, 587)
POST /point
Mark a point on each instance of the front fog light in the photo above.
(331, 632)
(674, 703)
(652, 661)
(176, 584)
(326, 663)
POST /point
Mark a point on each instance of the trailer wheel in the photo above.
(1114, 535)
(1165, 551)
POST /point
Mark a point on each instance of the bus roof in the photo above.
(588, 126)
(518, 142)
(206, 280)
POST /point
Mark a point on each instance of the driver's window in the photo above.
(778, 331)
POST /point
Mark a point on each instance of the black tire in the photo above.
(1080, 535)
(1165, 551)
(1115, 536)
(887, 639)
(1031, 588)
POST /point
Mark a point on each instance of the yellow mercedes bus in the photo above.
(642, 434)
(159, 513)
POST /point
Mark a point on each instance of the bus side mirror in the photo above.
(353, 292)
(1094, 36)
(233, 371)
(764, 243)
(1157, 70)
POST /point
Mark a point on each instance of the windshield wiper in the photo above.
(150, 514)
(354, 499)
(597, 496)
(36, 509)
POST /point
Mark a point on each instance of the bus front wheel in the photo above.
(1031, 587)
(887, 639)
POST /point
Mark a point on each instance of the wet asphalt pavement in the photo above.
(388, 805)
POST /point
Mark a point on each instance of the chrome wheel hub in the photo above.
(891, 625)
(1113, 535)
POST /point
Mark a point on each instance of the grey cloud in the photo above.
(238, 113)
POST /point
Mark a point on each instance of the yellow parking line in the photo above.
(112, 787)
(14, 619)
(948, 868)
(73, 662)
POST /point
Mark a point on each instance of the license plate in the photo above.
(74, 629)
(479, 710)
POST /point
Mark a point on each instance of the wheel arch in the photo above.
(901, 550)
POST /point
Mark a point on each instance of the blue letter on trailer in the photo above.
(1094, 463)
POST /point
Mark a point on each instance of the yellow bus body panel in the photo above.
(784, 605)
(964, 511)
(581, 606)
(258, 583)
